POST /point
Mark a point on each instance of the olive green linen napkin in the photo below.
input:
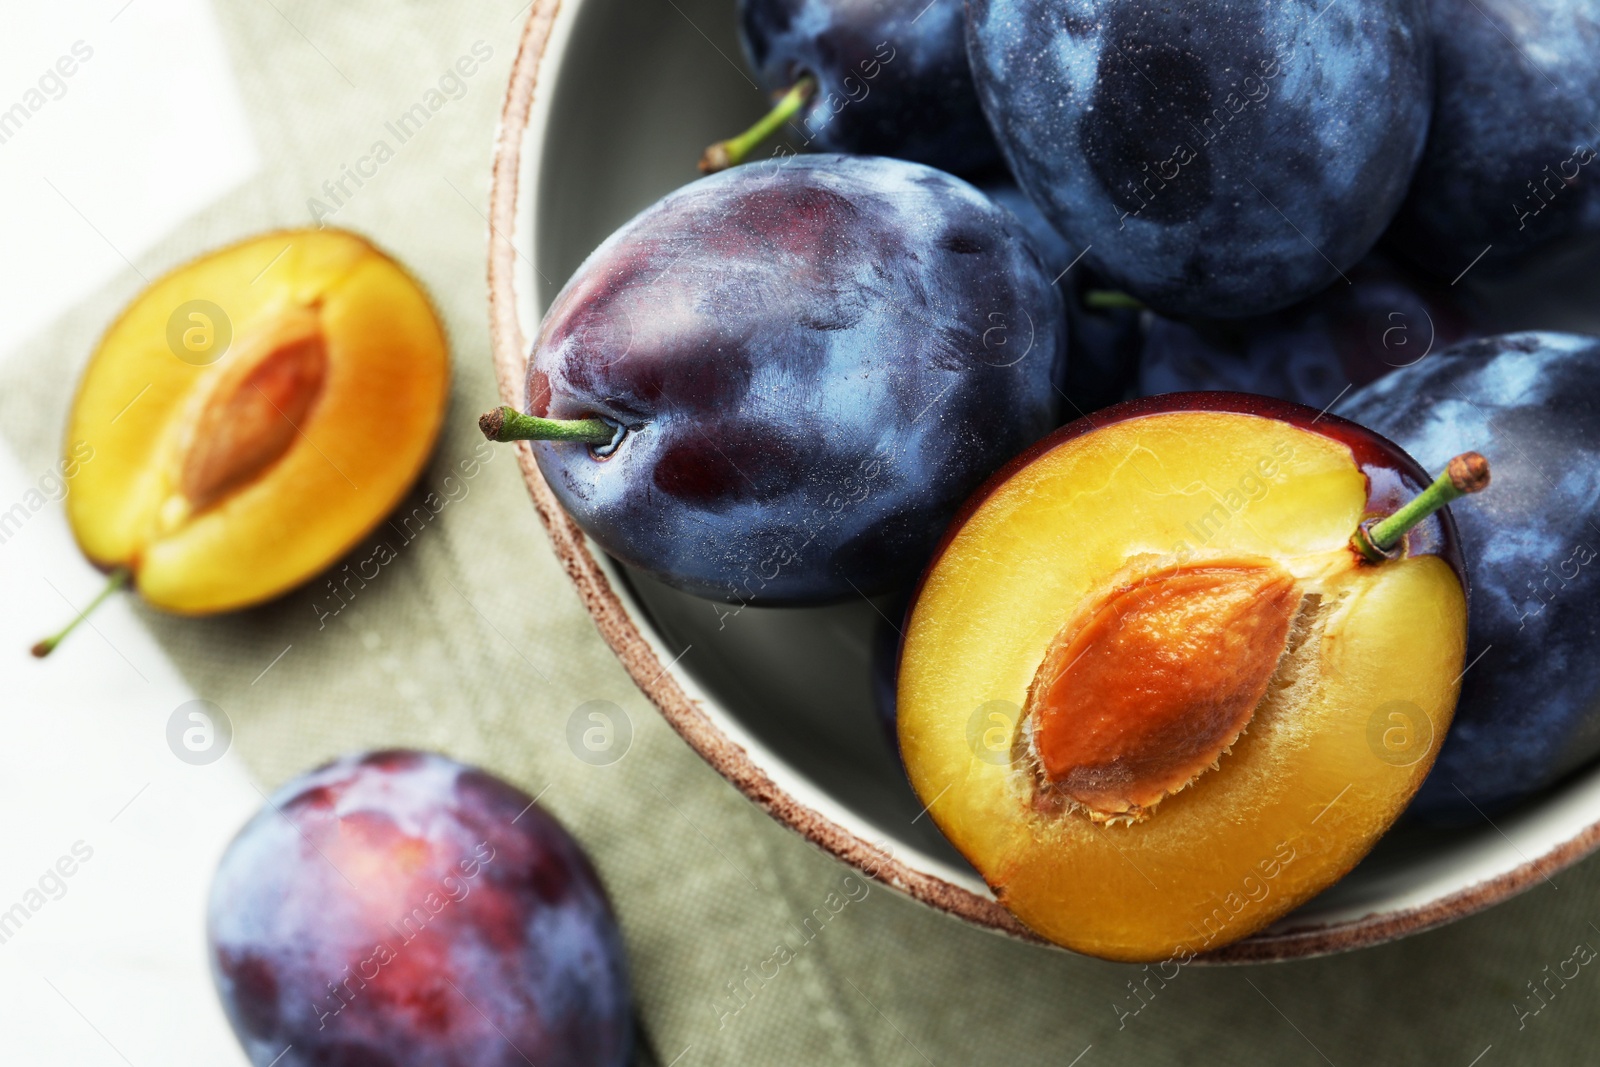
(473, 643)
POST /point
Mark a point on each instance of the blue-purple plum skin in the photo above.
(1509, 170)
(892, 76)
(1350, 334)
(1103, 345)
(399, 909)
(816, 361)
(1530, 700)
(1054, 250)
(1219, 160)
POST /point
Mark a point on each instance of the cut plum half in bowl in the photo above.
(1151, 683)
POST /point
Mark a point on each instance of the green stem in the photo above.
(118, 579)
(729, 153)
(509, 424)
(1111, 300)
(1467, 473)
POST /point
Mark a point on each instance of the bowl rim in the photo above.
(658, 682)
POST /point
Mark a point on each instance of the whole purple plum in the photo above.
(1216, 159)
(796, 371)
(399, 909)
(1510, 167)
(1311, 353)
(891, 76)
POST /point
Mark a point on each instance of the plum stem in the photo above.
(1111, 300)
(118, 579)
(1467, 473)
(508, 424)
(725, 154)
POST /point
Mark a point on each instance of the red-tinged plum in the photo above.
(1216, 159)
(1509, 169)
(1347, 335)
(398, 909)
(870, 77)
(780, 382)
(1530, 703)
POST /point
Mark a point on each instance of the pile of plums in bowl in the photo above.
(1135, 351)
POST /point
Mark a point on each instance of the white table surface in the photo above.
(147, 131)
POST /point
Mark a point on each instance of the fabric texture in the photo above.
(473, 643)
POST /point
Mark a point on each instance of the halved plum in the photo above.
(1151, 689)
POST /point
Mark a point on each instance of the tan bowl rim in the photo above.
(658, 683)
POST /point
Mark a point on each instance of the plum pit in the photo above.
(1151, 683)
(249, 420)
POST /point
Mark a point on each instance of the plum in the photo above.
(1103, 346)
(1509, 164)
(1053, 248)
(1103, 343)
(1214, 159)
(1312, 352)
(1530, 699)
(891, 76)
(399, 908)
(798, 370)
(1090, 640)
(1302, 365)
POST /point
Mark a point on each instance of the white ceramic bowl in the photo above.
(609, 105)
